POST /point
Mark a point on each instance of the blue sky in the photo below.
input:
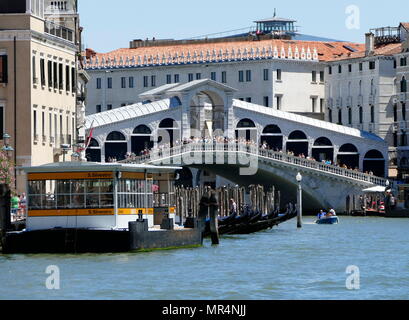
(110, 25)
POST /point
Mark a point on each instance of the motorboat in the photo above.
(328, 220)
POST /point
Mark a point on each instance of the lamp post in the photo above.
(388, 184)
(299, 201)
(65, 148)
(7, 148)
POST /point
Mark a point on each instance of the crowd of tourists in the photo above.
(224, 140)
(18, 207)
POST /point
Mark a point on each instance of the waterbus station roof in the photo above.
(92, 167)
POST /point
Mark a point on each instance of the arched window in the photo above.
(361, 115)
(348, 148)
(168, 132)
(272, 129)
(298, 143)
(168, 123)
(272, 137)
(116, 147)
(340, 117)
(348, 155)
(141, 139)
(116, 136)
(360, 87)
(372, 87)
(323, 149)
(142, 129)
(297, 135)
(372, 114)
(403, 85)
(93, 152)
(374, 163)
(246, 129)
(323, 142)
(93, 143)
(374, 154)
(246, 123)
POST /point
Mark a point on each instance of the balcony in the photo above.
(403, 125)
(59, 31)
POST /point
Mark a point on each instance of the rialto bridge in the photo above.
(172, 114)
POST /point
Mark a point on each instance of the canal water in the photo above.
(283, 263)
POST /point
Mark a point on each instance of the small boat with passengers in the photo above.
(328, 220)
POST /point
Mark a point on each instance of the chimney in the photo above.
(369, 43)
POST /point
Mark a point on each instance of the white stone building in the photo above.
(401, 123)
(362, 87)
(283, 74)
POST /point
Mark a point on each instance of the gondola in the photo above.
(250, 222)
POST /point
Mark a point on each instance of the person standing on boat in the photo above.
(233, 207)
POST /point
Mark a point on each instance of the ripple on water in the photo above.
(282, 263)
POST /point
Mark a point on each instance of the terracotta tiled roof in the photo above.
(405, 25)
(383, 50)
(313, 50)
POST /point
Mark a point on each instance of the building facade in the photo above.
(205, 108)
(37, 85)
(363, 90)
(282, 74)
(401, 123)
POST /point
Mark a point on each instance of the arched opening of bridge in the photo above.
(141, 139)
(323, 150)
(168, 132)
(246, 129)
(348, 155)
(93, 152)
(184, 178)
(374, 162)
(206, 115)
(116, 146)
(273, 137)
(298, 143)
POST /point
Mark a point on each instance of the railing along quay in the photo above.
(168, 153)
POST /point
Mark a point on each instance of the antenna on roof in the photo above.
(275, 12)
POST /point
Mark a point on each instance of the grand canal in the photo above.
(283, 263)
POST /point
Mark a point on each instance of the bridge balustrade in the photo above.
(158, 154)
